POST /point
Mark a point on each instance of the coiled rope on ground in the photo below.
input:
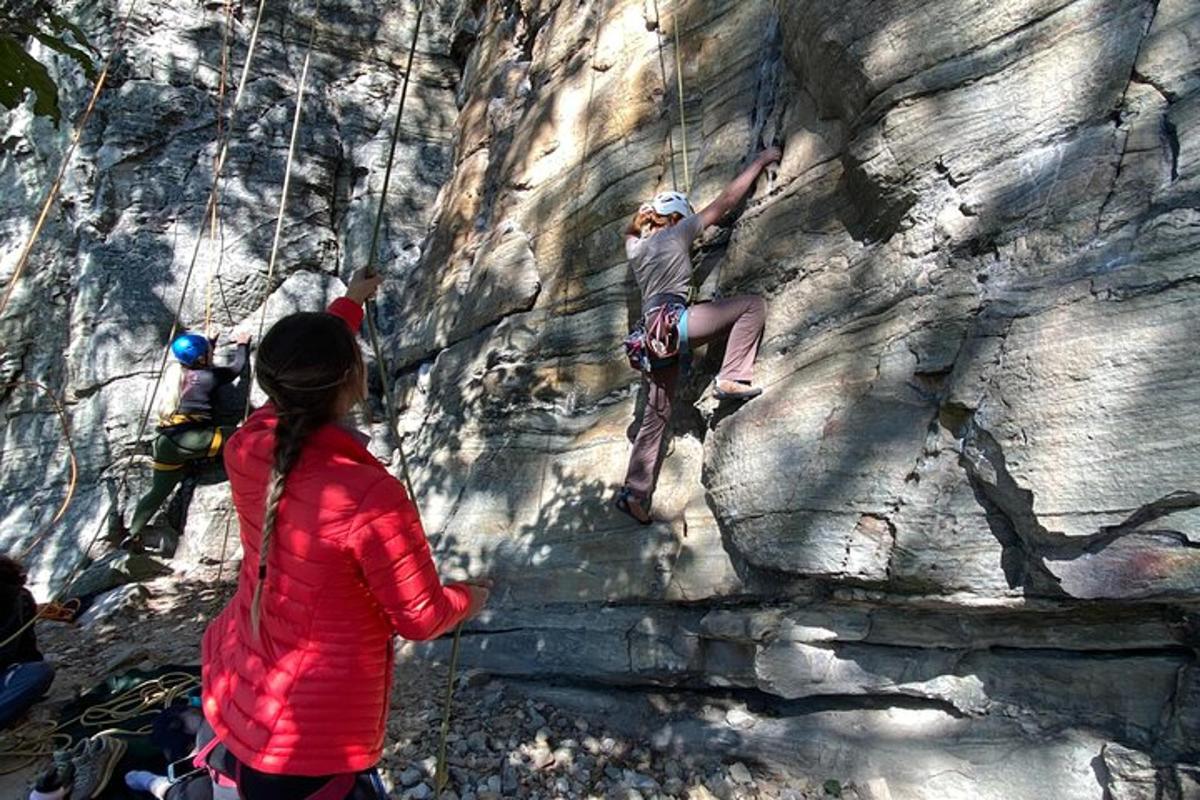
(24, 746)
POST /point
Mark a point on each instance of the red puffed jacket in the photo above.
(348, 567)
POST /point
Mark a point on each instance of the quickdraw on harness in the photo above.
(660, 338)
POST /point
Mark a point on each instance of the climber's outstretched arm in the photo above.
(728, 200)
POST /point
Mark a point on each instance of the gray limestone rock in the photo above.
(959, 530)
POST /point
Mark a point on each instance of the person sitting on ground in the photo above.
(186, 429)
(658, 244)
(297, 669)
(24, 674)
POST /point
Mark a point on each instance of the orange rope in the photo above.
(52, 195)
(71, 460)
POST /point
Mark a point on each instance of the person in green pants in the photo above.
(186, 430)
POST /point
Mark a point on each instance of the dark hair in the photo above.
(11, 572)
(304, 363)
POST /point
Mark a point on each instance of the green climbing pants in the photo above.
(173, 450)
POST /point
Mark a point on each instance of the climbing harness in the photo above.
(660, 338)
(52, 194)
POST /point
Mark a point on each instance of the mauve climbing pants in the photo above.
(740, 319)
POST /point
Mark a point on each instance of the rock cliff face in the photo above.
(955, 545)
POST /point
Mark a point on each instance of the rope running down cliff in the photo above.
(283, 195)
(441, 776)
(83, 557)
(216, 230)
(662, 67)
(52, 194)
(218, 170)
(71, 460)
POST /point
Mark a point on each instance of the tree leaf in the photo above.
(80, 57)
(61, 23)
(21, 72)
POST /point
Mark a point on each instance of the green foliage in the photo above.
(25, 21)
(833, 788)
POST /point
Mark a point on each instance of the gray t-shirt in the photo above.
(662, 261)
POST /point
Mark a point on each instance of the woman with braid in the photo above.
(297, 669)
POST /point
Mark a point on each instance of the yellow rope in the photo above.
(687, 177)
(71, 460)
(283, 195)
(35, 740)
(52, 194)
(215, 231)
(66, 584)
(662, 67)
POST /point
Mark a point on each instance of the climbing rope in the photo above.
(224, 148)
(283, 195)
(218, 169)
(35, 740)
(442, 774)
(216, 231)
(580, 250)
(52, 194)
(662, 67)
(687, 176)
(72, 462)
(52, 610)
(373, 257)
(441, 777)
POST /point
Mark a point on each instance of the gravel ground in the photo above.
(501, 744)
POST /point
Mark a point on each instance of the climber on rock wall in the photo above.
(658, 244)
(187, 431)
(297, 669)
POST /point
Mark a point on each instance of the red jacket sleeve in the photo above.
(350, 312)
(394, 556)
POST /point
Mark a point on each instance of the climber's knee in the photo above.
(756, 307)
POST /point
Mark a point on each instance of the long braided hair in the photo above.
(308, 364)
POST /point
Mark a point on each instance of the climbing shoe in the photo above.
(629, 503)
(734, 390)
(94, 760)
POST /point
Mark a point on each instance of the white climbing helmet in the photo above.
(668, 203)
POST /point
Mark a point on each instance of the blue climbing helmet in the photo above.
(189, 348)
